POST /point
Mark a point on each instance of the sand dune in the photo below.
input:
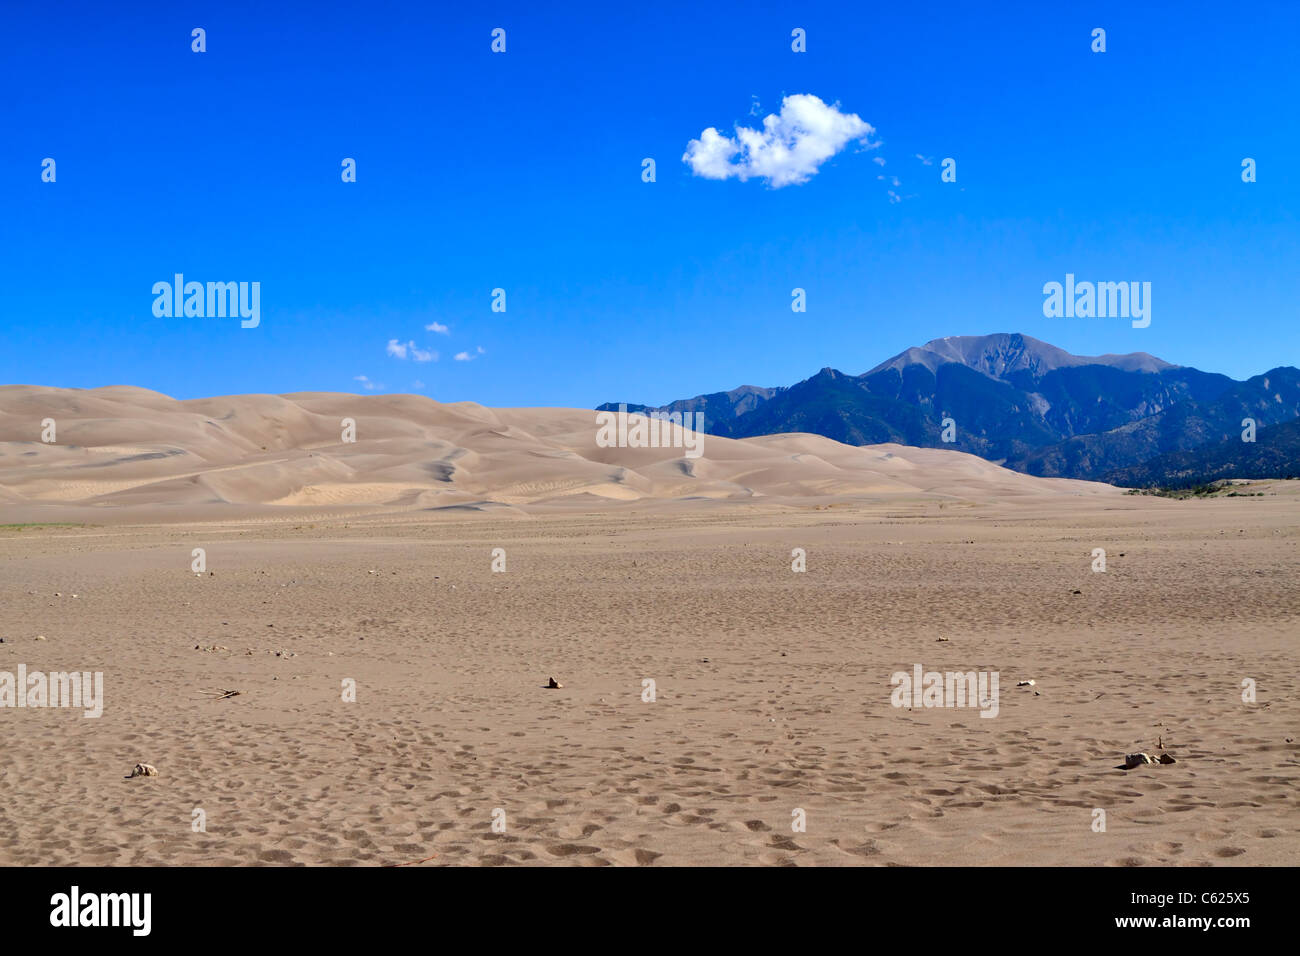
(130, 448)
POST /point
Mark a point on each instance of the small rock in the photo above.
(943, 639)
(143, 770)
(40, 637)
(1136, 760)
(552, 684)
(1026, 683)
(1167, 758)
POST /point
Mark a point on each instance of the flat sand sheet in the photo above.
(772, 687)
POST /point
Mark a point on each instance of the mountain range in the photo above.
(1032, 407)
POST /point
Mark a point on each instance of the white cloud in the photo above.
(878, 160)
(409, 350)
(418, 385)
(787, 151)
(464, 357)
(368, 385)
(437, 327)
(892, 180)
(893, 196)
(925, 160)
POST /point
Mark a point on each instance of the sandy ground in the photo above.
(332, 563)
(772, 687)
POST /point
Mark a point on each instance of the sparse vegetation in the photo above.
(40, 524)
(1211, 489)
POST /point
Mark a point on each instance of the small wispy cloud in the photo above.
(467, 357)
(368, 385)
(925, 160)
(437, 327)
(878, 160)
(418, 385)
(787, 151)
(892, 180)
(404, 350)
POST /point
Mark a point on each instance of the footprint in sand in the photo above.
(866, 849)
(571, 849)
(578, 832)
(635, 857)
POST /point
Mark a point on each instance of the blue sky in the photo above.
(522, 171)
